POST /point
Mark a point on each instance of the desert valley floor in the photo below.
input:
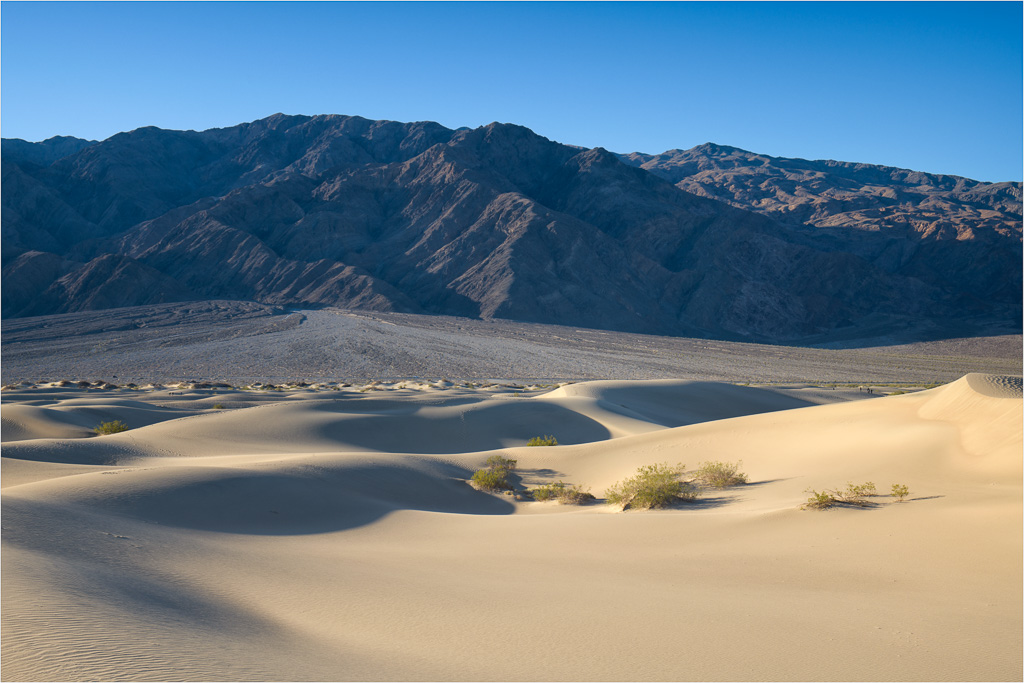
(326, 530)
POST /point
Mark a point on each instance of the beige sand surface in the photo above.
(335, 538)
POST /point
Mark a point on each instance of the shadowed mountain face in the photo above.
(495, 222)
(954, 233)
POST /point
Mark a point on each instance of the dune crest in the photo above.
(996, 386)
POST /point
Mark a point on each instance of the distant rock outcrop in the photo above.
(494, 222)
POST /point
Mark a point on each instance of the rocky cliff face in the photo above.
(495, 222)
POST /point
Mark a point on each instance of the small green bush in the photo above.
(563, 493)
(495, 476)
(822, 500)
(491, 479)
(720, 475)
(899, 492)
(653, 486)
(547, 492)
(546, 440)
(112, 427)
(218, 406)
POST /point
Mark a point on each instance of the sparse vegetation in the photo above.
(720, 475)
(495, 477)
(546, 440)
(218, 406)
(854, 495)
(499, 462)
(819, 500)
(653, 486)
(899, 492)
(111, 427)
(491, 480)
(563, 493)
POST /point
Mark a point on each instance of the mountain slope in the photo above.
(495, 222)
(951, 232)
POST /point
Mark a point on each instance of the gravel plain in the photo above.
(242, 342)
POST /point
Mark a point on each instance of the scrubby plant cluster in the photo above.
(563, 493)
(854, 495)
(495, 476)
(661, 485)
(546, 440)
(899, 492)
(719, 475)
(111, 427)
(653, 486)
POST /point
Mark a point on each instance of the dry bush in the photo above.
(495, 477)
(546, 440)
(112, 427)
(491, 479)
(853, 495)
(563, 493)
(720, 475)
(498, 462)
(653, 486)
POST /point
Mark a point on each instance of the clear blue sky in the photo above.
(931, 86)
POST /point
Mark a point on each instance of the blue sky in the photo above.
(931, 86)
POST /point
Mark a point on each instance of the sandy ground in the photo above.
(241, 342)
(332, 535)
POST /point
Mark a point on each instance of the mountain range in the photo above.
(499, 222)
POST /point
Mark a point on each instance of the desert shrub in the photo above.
(112, 427)
(491, 479)
(498, 462)
(546, 440)
(495, 477)
(899, 492)
(218, 406)
(653, 486)
(563, 493)
(819, 500)
(575, 495)
(547, 492)
(720, 475)
(853, 494)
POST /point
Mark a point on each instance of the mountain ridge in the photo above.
(492, 222)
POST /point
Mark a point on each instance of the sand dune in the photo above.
(76, 418)
(318, 538)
